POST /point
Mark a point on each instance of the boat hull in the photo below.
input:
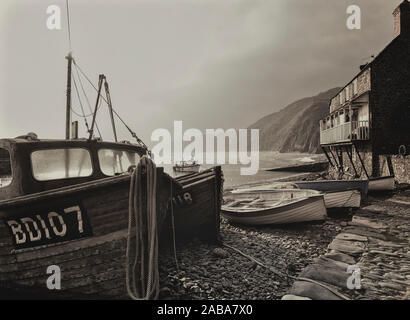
(304, 210)
(381, 184)
(198, 206)
(91, 266)
(335, 185)
(343, 199)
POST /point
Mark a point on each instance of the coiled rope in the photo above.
(142, 275)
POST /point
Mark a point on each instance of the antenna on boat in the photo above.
(69, 57)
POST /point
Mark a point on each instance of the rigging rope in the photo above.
(86, 98)
(133, 134)
(173, 229)
(68, 22)
(142, 275)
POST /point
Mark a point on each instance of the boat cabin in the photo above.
(30, 165)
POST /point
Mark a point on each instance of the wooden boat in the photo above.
(69, 213)
(74, 213)
(274, 207)
(187, 166)
(342, 199)
(333, 199)
(198, 205)
(335, 185)
(382, 184)
(65, 203)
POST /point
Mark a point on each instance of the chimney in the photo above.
(402, 19)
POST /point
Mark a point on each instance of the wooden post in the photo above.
(351, 160)
(361, 161)
(68, 102)
(328, 158)
(101, 78)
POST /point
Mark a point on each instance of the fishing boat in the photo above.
(348, 198)
(381, 183)
(88, 207)
(73, 204)
(267, 207)
(67, 204)
(187, 166)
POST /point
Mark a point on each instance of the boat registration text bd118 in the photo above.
(52, 226)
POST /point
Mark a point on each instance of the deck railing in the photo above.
(350, 131)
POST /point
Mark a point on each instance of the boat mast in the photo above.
(69, 58)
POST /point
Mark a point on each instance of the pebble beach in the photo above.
(264, 263)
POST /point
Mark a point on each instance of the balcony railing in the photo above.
(350, 131)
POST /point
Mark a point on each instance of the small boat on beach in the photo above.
(335, 185)
(187, 166)
(349, 198)
(381, 183)
(267, 207)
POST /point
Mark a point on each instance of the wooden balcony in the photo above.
(346, 132)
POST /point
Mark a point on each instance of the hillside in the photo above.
(295, 128)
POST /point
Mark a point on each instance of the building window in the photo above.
(355, 87)
(54, 164)
(341, 98)
(347, 93)
(5, 168)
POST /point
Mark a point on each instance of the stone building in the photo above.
(367, 132)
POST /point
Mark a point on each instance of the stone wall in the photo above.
(400, 166)
(390, 98)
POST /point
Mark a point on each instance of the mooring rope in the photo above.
(173, 230)
(142, 275)
(335, 292)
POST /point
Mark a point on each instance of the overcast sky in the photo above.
(210, 63)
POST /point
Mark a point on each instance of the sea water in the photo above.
(267, 159)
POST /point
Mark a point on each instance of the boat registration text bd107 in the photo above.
(51, 226)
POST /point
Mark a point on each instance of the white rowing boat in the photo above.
(333, 199)
(381, 183)
(274, 207)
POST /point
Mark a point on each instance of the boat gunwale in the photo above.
(68, 190)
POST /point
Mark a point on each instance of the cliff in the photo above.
(295, 128)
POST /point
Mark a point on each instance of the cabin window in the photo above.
(54, 164)
(114, 162)
(5, 168)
